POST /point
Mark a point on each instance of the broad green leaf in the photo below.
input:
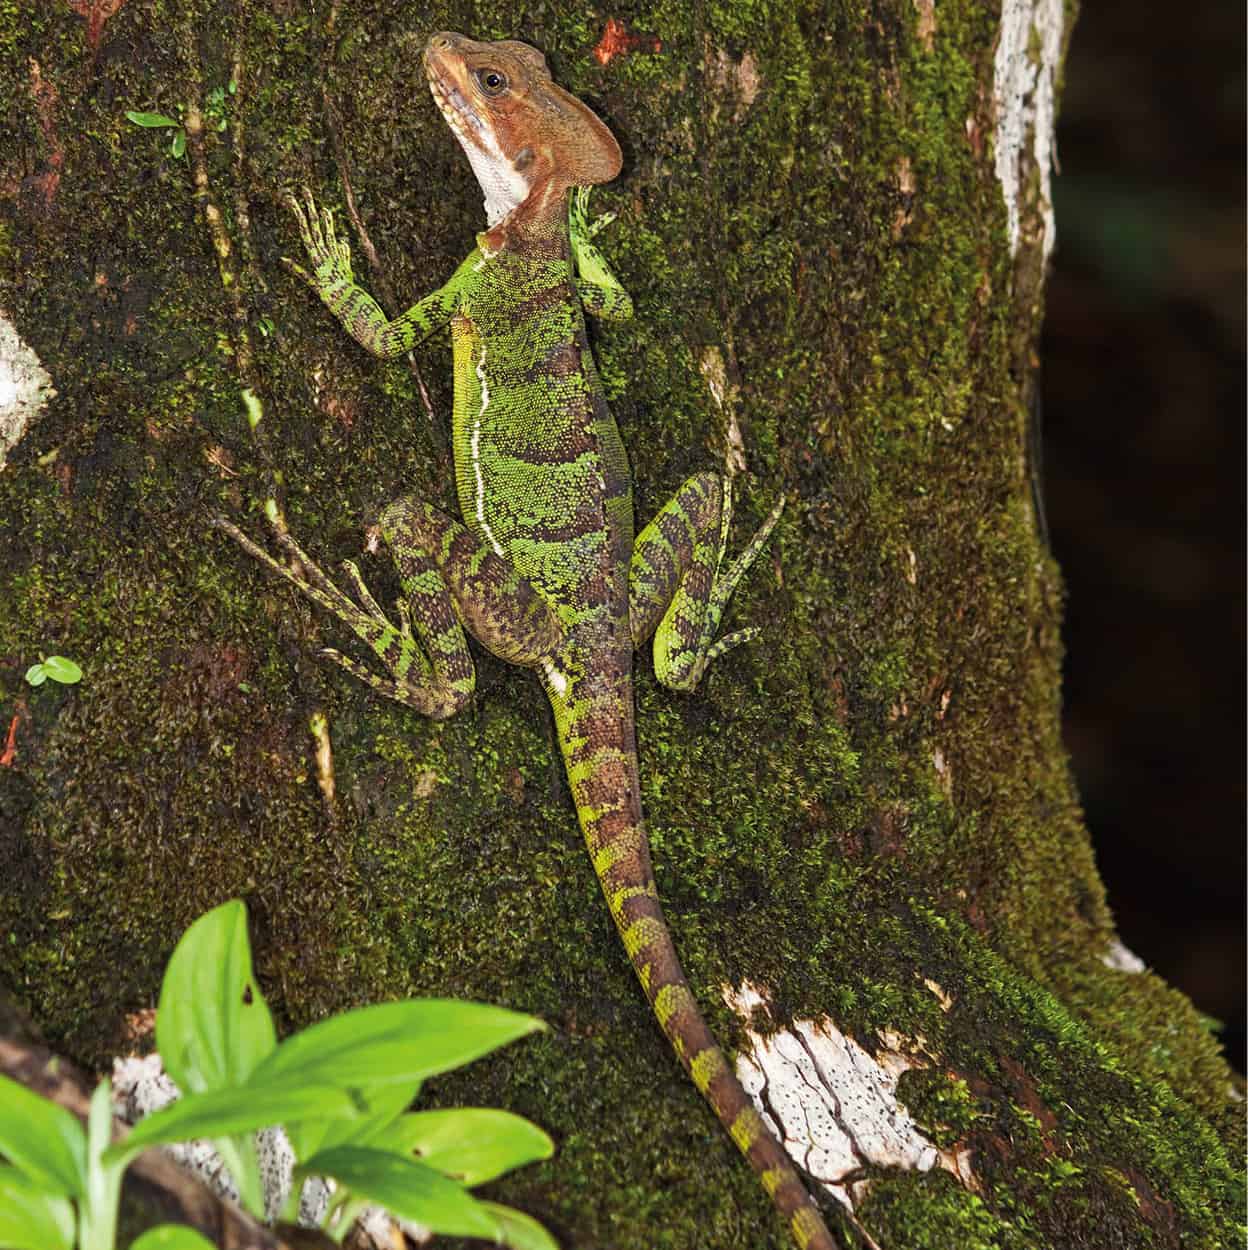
(36, 675)
(151, 119)
(43, 1141)
(393, 1043)
(385, 1104)
(226, 1112)
(60, 669)
(405, 1188)
(520, 1231)
(213, 1025)
(30, 1217)
(178, 146)
(172, 1237)
(471, 1144)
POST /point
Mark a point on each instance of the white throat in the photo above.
(504, 189)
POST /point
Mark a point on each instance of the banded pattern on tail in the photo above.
(601, 763)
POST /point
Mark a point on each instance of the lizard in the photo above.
(543, 568)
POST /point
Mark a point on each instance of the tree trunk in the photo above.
(834, 224)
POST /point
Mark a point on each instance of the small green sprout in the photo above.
(57, 667)
(158, 121)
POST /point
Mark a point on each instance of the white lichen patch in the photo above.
(1121, 958)
(834, 1105)
(1029, 48)
(25, 387)
(142, 1086)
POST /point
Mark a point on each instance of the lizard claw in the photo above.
(329, 255)
(314, 238)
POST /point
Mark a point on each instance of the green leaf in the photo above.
(520, 1231)
(226, 1112)
(405, 1188)
(36, 675)
(45, 1142)
(393, 1043)
(385, 1103)
(151, 120)
(472, 1144)
(97, 1208)
(31, 1218)
(178, 146)
(238, 1153)
(172, 1237)
(212, 1025)
(60, 669)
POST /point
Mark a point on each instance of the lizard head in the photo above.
(524, 135)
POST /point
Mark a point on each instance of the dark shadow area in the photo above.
(1144, 447)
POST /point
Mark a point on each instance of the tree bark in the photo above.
(834, 222)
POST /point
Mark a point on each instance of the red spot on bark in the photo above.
(616, 41)
(97, 12)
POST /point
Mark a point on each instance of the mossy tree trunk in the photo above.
(833, 224)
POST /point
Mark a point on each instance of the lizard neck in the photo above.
(537, 226)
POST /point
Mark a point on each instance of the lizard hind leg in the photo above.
(441, 568)
(443, 565)
(678, 588)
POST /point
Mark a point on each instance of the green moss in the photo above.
(932, 1212)
(939, 1103)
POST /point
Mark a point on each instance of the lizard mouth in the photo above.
(461, 117)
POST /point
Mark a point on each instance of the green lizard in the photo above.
(543, 570)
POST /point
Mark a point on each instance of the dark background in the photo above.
(1143, 415)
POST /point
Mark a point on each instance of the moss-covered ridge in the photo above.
(804, 200)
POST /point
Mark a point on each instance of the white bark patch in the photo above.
(1122, 958)
(1029, 47)
(142, 1086)
(834, 1105)
(25, 387)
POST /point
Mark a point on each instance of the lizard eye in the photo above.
(492, 81)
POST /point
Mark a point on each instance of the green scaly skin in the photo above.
(543, 569)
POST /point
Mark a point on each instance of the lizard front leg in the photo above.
(361, 316)
(599, 289)
(449, 580)
(676, 583)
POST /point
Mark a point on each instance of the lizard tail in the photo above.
(607, 792)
